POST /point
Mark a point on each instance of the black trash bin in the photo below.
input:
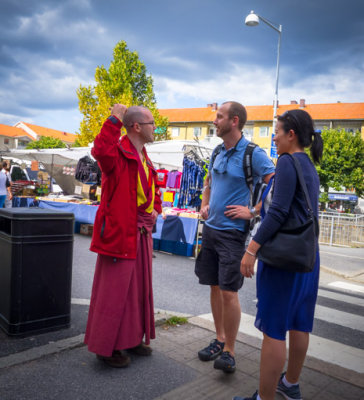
(36, 248)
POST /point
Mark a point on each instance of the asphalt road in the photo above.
(176, 288)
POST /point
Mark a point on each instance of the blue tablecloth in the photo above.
(175, 235)
(83, 213)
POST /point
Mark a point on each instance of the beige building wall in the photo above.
(188, 131)
(262, 134)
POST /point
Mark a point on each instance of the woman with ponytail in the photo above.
(286, 299)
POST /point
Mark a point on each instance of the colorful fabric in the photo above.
(162, 177)
(174, 179)
(191, 183)
(121, 309)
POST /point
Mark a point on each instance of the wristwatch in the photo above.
(253, 212)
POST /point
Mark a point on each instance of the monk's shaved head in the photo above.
(134, 114)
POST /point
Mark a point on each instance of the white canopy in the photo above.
(166, 154)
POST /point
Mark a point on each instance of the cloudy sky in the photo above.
(198, 52)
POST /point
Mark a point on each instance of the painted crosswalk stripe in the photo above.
(81, 302)
(342, 318)
(347, 286)
(341, 297)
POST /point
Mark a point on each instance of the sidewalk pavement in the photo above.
(64, 370)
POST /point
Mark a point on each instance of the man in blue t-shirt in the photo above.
(225, 208)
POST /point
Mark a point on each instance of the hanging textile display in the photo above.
(192, 181)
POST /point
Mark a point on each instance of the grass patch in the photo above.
(174, 321)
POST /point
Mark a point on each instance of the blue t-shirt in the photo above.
(228, 185)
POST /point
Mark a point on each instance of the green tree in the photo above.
(46, 142)
(126, 82)
(342, 162)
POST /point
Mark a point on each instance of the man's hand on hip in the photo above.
(235, 212)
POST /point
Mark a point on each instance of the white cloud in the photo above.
(255, 86)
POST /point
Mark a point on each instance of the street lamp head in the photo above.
(252, 19)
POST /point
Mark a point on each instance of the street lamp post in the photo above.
(253, 20)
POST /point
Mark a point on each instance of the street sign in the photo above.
(273, 149)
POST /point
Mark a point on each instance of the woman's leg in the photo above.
(298, 345)
(272, 360)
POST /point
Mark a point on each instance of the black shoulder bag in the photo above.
(294, 246)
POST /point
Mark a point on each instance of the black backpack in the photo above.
(88, 171)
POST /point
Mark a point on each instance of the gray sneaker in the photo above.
(289, 393)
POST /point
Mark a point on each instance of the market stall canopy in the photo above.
(166, 154)
(54, 161)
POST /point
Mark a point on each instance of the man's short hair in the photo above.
(237, 110)
(134, 114)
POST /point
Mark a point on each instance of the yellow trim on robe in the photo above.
(141, 198)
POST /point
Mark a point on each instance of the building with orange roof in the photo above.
(13, 138)
(19, 135)
(190, 123)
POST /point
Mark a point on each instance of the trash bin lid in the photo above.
(21, 213)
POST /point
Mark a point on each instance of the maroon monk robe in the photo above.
(121, 310)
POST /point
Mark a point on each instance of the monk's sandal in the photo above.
(118, 359)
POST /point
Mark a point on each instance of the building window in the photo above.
(196, 132)
(6, 141)
(22, 143)
(248, 132)
(175, 132)
(264, 131)
(211, 131)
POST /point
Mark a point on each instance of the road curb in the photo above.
(335, 371)
(358, 277)
(35, 353)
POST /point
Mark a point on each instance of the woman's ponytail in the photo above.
(316, 147)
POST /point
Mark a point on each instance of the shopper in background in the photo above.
(5, 190)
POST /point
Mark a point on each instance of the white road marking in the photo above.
(347, 286)
(323, 349)
(342, 318)
(341, 297)
(81, 302)
(341, 255)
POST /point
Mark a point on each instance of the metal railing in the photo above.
(341, 229)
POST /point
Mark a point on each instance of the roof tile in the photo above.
(330, 111)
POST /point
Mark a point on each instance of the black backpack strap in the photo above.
(248, 167)
(215, 153)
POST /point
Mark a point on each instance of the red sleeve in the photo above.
(157, 198)
(105, 149)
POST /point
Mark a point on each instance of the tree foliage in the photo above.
(46, 142)
(126, 82)
(342, 163)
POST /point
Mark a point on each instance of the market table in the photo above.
(84, 213)
(174, 234)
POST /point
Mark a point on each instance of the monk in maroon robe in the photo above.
(121, 310)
